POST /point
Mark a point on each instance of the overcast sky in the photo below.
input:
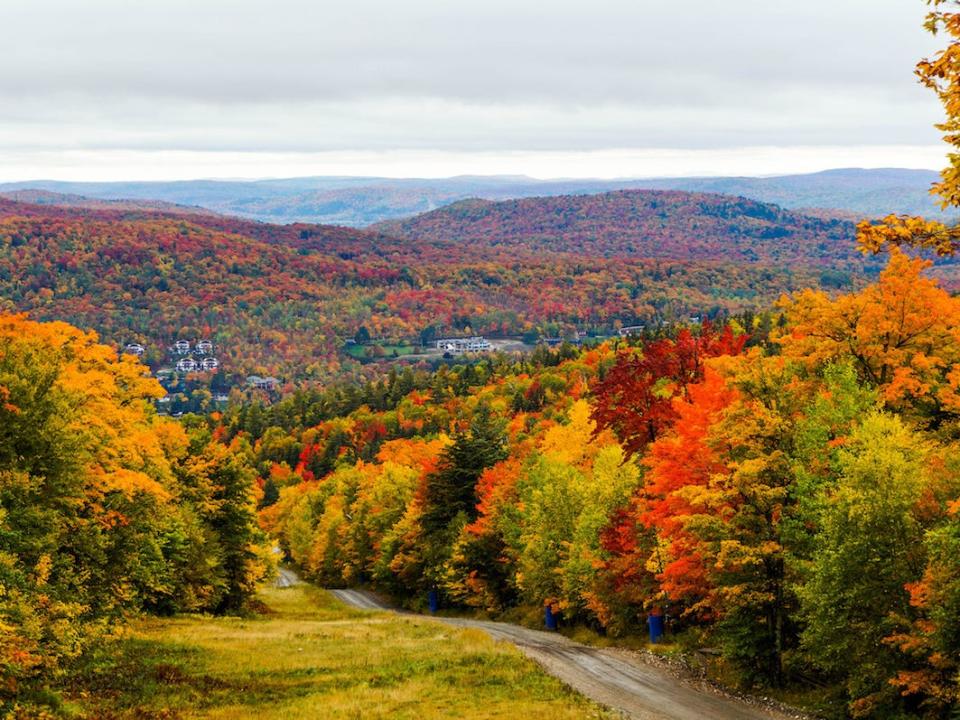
(144, 89)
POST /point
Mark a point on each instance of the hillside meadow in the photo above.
(305, 655)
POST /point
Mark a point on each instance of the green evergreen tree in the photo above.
(452, 488)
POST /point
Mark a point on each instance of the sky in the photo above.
(171, 89)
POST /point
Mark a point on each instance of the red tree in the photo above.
(635, 399)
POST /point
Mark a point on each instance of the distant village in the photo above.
(182, 363)
(637, 330)
(480, 344)
(187, 358)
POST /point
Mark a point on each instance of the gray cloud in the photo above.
(296, 75)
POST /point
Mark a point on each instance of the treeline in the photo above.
(792, 502)
(106, 509)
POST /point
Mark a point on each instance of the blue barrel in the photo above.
(655, 623)
(549, 618)
(434, 599)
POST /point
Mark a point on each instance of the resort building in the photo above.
(458, 346)
(262, 383)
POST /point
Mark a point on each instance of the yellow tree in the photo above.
(105, 507)
(85, 492)
(941, 73)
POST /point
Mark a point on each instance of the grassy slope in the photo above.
(309, 657)
(359, 351)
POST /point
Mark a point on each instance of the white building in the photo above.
(181, 347)
(262, 383)
(458, 346)
(209, 363)
(187, 365)
(204, 347)
(134, 349)
(631, 330)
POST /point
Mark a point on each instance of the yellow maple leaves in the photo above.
(896, 231)
(122, 444)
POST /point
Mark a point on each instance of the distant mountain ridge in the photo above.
(870, 193)
(363, 201)
(66, 200)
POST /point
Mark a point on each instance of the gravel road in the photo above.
(286, 578)
(615, 678)
(360, 599)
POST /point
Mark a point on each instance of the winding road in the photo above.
(616, 678)
(286, 578)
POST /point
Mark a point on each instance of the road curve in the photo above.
(360, 599)
(615, 678)
(286, 578)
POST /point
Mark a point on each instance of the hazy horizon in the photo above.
(931, 159)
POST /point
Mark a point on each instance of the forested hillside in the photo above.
(489, 446)
(284, 299)
(641, 223)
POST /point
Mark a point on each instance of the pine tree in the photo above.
(452, 489)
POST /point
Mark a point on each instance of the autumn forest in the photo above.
(711, 428)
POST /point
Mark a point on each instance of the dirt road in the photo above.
(285, 578)
(360, 599)
(615, 678)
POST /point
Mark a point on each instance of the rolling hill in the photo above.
(670, 225)
(46, 197)
(854, 191)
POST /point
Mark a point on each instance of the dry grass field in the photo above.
(307, 656)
